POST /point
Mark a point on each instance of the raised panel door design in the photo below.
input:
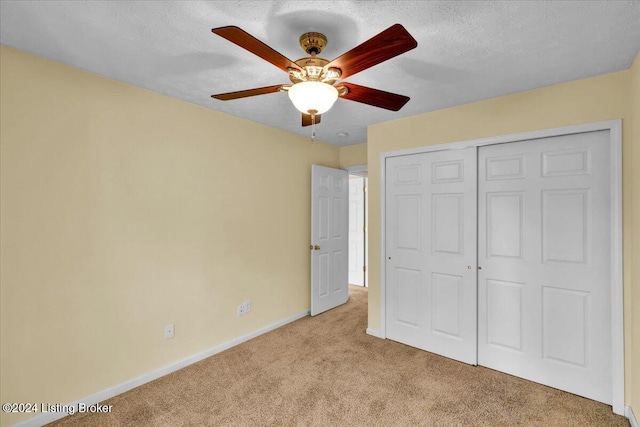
(566, 162)
(408, 221)
(430, 227)
(544, 307)
(323, 218)
(565, 226)
(505, 216)
(447, 226)
(445, 303)
(443, 172)
(564, 318)
(329, 238)
(507, 167)
(339, 268)
(339, 218)
(323, 275)
(408, 296)
(504, 314)
(543, 294)
(408, 174)
(323, 183)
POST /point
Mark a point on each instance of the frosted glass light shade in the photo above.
(307, 96)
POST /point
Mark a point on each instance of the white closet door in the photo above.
(431, 252)
(544, 287)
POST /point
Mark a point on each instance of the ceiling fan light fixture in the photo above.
(313, 96)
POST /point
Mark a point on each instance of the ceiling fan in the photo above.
(314, 80)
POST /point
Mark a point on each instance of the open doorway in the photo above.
(358, 228)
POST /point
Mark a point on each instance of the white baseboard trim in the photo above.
(374, 333)
(630, 416)
(103, 395)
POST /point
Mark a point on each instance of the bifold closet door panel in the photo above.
(544, 296)
(430, 253)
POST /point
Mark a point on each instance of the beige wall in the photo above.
(634, 292)
(353, 155)
(123, 211)
(600, 98)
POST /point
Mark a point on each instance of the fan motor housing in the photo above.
(313, 43)
(312, 67)
(313, 70)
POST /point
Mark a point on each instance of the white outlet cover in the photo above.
(169, 331)
(241, 310)
(247, 307)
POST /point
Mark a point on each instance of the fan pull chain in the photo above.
(313, 113)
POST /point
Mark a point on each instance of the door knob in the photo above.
(316, 247)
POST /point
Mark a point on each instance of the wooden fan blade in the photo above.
(391, 42)
(306, 119)
(375, 97)
(255, 46)
(248, 92)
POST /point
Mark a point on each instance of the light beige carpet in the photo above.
(325, 371)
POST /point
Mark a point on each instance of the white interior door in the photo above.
(329, 238)
(356, 230)
(431, 290)
(544, 248)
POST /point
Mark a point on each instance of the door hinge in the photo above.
(364, 268)
(364, 229)
(364, 189)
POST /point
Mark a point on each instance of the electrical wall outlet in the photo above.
(169, 331)
(244, 308)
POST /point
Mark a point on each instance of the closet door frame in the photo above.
(615, 148)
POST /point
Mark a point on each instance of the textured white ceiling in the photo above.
(467, 50)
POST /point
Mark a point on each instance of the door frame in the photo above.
(617, 286)
(363, 171)
(359, 231)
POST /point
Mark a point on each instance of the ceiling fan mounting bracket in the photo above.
(313, 42)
